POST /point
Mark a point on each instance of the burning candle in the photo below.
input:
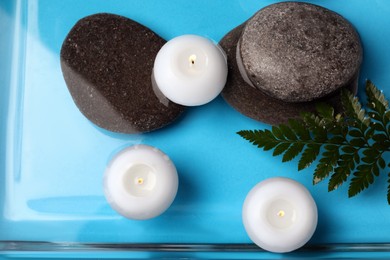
(140, 182)
(190, 70)
(279, 215)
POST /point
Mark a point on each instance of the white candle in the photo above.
(140, 182)
(279, 215)
(190, 70)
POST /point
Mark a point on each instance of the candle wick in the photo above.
(192, 59)
(281, 213)
(140, 181)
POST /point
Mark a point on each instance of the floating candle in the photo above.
(279, 215)
(190, 70)
(140, 182)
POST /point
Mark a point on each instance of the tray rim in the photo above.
(40, 248)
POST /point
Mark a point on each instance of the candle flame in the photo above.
(140, 180)
(192, 59)
(281, 213)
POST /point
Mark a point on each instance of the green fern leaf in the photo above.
(311, 121)
(363, 177)
(376, 99)
(308, 156)
(381, 163)
(277, 132)
(353, 110)
(300, 129)
(388, 189)
(287, 132)
(257, 137)
(326, 164)
(281, 148)
(322, 171)
(293, 151)
(347, 145)
(325, 111)
(339, 176)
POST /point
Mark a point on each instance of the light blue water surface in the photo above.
(53, 158)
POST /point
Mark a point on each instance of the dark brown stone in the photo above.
(107, 62)
(253, 102)
(299, 52)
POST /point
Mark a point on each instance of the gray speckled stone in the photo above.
(299, 52)
(107, 62)
(253, 102)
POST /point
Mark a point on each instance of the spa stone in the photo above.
(299, 52)
(107, 62)
(257, 105)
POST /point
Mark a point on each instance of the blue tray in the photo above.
(53, 159)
